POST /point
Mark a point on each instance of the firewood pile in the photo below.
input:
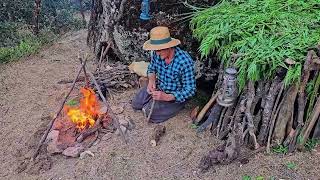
(114, 77)
(266, 115)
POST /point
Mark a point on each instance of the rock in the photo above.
(52, 140)
(52, 136)
(73, 151)
(57, 125)
(139, 68)
(85, 154)
(53, 148)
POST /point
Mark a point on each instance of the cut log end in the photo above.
(159, 131)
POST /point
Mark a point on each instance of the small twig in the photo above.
(58, 113)
(112, 115)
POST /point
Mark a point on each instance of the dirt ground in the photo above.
(30, 95)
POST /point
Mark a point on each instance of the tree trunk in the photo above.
(119, 21)
(84, 22)
(36, 14)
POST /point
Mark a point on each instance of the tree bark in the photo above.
(36, 14)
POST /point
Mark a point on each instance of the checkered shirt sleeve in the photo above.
(187, 79)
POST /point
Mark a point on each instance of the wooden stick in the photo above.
(58, 113)
(274, 115)
(302, 99)
(84, 70)
(251, 94)
(220, 120)
(206, 107)
(151, 110)
(112, 115)
(312, 121)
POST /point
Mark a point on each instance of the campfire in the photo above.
(78, 123)
(76, 129)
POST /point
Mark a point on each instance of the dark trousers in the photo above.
(162, 110)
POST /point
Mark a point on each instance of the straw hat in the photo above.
(160, 39)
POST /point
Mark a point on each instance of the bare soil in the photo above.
(30, 96)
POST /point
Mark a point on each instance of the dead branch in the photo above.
(58, 113)
(251, 127)
(309, 126)
(274, 115)
(285, 114)
(112, 115)
(302, 99)
(220, 120)
(269, 103)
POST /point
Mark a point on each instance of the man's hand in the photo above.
(162, 96)
(152, 83)
(151, 87)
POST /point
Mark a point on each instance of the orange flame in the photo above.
(85, 115)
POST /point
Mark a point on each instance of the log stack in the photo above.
(267, 114)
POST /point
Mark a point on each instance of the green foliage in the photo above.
(16, 20)
(311, 144)
(246, 177)
(291, 165)
(263, 32)
(280, 149)
(259, 178)
(193, 126)
(28, 45)
(72, 102)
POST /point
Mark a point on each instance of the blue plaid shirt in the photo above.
(176, 78)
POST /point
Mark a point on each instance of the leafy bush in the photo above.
(28, 45)
(263, 32)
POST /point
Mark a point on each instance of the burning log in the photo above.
(90, 131)
(158, 132)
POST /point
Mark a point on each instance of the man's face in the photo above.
(163, 53)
